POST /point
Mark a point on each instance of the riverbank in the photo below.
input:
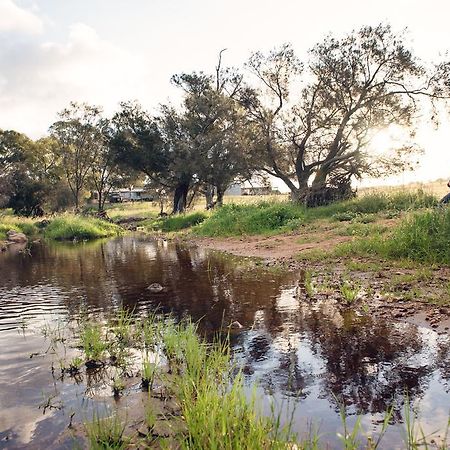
(63, 227)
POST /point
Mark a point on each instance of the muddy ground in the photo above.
(397, 290)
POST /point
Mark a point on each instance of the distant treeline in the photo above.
(308, 123)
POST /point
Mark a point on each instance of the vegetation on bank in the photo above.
(71, 227)
(278, 217)
(423, 237)
(19, 224)
(64, 227)
(177, 222)
(214, 408)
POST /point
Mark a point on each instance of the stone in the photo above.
(236, 325)
(15, 237)
(155, 288)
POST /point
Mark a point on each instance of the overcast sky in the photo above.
(105, 51)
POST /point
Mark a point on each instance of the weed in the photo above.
(121, 326)
(309, 287)
(118, 385)
(106, 433)
(92, 341)
(149, 371)
(349, 292)
(74, 366)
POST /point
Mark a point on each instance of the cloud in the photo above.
(38, 79)
(15, 19)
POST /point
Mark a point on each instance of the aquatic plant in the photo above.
(118, 385)
(106, 433)
(349, 292)
(92, 342)
(149, 371)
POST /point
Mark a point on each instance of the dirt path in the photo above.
(278, 247)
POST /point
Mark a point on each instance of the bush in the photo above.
(70, 227)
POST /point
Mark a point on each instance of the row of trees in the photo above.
(308, 124)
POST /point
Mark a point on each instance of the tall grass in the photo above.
(261, 218)
(19, 224)
(422, 237)
(69, 227)
(277, 217)
(178, 222)
(217, 412)
(106, 433)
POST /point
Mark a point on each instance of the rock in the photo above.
(15, 237)
(155, 288)
(236, 325)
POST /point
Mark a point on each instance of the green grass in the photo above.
(177, 222)
(216, 409)
(92, 341)
(106, 433)
(19, 224)
(277, 217)
(70, 227)
(374, 204)
(423, 237)
(261, 218)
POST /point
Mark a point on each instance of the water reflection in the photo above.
(312, 352)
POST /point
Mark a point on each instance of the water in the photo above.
(309, 358)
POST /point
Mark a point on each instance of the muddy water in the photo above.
(305, 358)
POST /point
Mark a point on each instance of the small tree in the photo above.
(80, 140)
(29, 172)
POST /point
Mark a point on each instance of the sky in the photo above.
(106, 51)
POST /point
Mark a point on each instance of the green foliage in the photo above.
(349, 292)
(373, 204)
(69, 227)
(21, 225)
(262, 218)
(278, 217)
(178, 222)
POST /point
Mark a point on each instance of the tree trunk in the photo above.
(209, 196)
(219, 201)
(76, 197)
(180, 198)
(100, 201)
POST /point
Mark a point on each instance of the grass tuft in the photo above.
(70, 227)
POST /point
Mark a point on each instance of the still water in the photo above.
(307, 359)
